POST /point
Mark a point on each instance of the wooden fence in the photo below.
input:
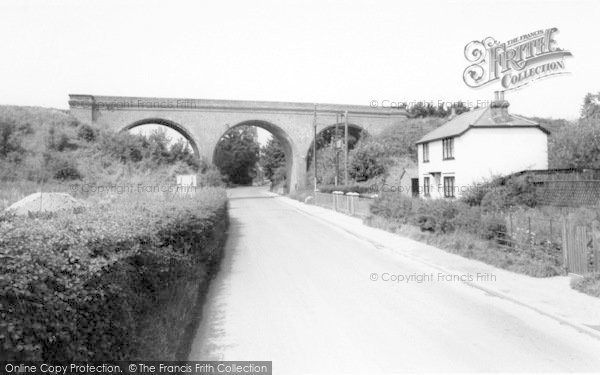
(350, 203)
(568, 193)
(581, 248)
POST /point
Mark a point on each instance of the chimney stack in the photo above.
(499, 106)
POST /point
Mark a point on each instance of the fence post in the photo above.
(336, 199)
(529, 231)
(551, 242)
(565, 245)
(510, 220)
(597, 256)
(596, 245)
(352, 197)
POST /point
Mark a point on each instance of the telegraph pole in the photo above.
(315, 146)
(346, 147)
(335, 147)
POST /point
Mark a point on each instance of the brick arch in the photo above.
(170, 124)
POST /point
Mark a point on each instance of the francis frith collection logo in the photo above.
(516, 62)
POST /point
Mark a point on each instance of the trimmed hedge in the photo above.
(118, 281)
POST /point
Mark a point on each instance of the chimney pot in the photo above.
(499, 106)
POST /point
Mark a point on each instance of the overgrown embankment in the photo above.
(119, 280)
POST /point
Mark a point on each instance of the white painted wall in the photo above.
(480, 154)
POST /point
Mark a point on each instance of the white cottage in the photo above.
(476, 146)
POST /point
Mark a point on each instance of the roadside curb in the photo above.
(577, 326)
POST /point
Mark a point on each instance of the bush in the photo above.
(588, 284)
(108, 283)
(502, 194)
(493, 227)
(464, 229)
(65, 170)
(87, 133)
(212, 177)
(473, 196)
(393, 206)
(367, 160)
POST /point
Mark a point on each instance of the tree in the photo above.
(367, 160)
(590, 110)
(325, 165)
(10, 142)
(237, 154)
(578, 145)
(180, 151)
(272, 160)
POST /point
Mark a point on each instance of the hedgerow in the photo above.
(438, 215)
(116, 281)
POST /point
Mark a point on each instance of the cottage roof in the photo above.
(494, 116)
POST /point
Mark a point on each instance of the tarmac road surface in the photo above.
(315, 299)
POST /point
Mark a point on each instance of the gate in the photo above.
(580, 249)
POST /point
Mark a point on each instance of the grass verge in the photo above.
(472, 247)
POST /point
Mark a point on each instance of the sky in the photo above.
(347, 52)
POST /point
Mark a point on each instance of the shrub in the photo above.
(61, 167)
(393, 206)
(464, 229)
(11, 138)
(588, 284)
(493, 227)
(212, 177)
(67, 171)
(87, 133)
(109, 282)
(510, 192)
(473, 196)
(367, 160)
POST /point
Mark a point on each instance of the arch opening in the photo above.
(330, 152)
(255, 152)
(180, 133)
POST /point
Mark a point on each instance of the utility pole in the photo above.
(346, 147)
(336, 149)
(315, 147)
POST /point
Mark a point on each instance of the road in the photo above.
(298, 292)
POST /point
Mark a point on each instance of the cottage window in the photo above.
(425, 152)
(449, 187)
(448, 147)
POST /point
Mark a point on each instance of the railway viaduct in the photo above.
(204, 121)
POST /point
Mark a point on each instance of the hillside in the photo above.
(48, 149)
